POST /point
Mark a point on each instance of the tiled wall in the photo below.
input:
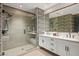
(40, 20)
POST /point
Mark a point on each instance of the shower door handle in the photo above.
(24, 31)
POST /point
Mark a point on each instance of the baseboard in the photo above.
(53, 54)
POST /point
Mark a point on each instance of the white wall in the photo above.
(69, 10)
(57, 6)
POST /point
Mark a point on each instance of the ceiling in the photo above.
(30, 6)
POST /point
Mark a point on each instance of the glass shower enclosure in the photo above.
(18, 31)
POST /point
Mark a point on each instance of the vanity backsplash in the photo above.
(62, 34)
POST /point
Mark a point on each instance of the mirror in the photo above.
(65, 23)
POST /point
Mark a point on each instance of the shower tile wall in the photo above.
(0, 26)
(16, 33)
(47, 23)
(40, 20)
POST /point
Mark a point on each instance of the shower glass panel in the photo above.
(18, 33)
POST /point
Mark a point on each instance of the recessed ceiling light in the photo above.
(20, 6)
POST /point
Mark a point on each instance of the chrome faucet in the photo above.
(69, 34)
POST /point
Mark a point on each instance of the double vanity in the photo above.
(63, 44)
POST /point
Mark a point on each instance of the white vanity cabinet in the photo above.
(59, 46)
(67, 48)
(51, 44)
(47, 43)
(74, 48)
(43, 42)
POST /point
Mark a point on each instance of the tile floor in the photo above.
(19, 50)
(38, 52)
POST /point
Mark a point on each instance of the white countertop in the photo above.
(63, 38)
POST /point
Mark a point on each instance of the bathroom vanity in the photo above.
(60, 45)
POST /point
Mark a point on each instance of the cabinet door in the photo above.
(60, 47)
(52, 45)
(47, 43)
(42, 42)
(74, 48)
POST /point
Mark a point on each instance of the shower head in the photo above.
(3, 11)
